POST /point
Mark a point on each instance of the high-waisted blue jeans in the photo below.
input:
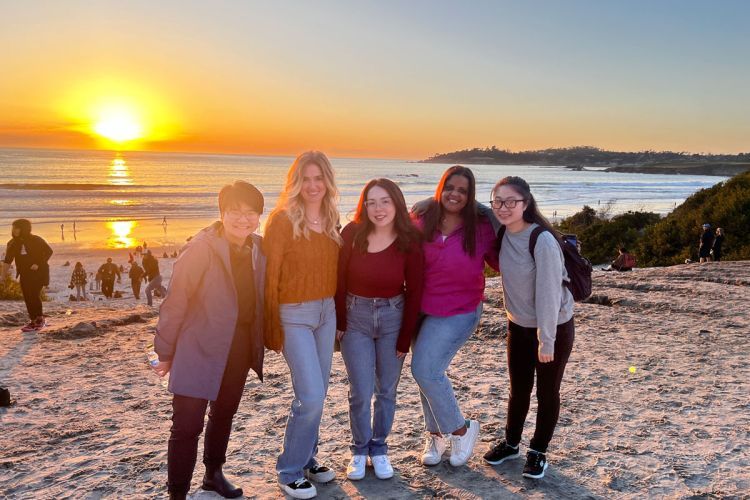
(369, 351)
(309, 332)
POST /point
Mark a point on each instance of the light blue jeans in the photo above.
(309, 332)
(369, 352)
(438, 341)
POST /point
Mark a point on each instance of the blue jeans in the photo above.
(438, 341)
(309, 332)
(369, 352)
(155, 284)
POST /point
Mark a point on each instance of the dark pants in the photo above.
(107, 287)
(31, 287)
(187, 424)
(522, 364)
(136, 286)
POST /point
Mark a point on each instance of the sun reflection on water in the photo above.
(121, 230)
(119, 173)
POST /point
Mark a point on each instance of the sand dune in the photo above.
(92, 421)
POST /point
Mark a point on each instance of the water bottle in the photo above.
(153, 360)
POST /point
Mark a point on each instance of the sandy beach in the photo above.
(655, 400)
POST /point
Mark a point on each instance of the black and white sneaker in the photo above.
(536, 464)
(301, 488)
(501, 452)
(320, 474)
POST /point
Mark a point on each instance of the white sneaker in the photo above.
(434, 447)
(320, 474)
(382, 466)
(463, 446)
(301, 488)
(356, 468)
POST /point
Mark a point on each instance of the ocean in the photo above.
(120, 199)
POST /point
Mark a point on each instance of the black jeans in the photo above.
(31, 287)
(522, 364)
(107, 287)
(136, 286)
(187, 423)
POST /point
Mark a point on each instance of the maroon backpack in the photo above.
(578, 267)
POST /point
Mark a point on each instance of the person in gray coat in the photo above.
(210, 334)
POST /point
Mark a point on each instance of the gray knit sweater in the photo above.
(534, 294)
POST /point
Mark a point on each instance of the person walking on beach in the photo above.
(706, 242)
(718, 242)
(457, 243)
(210, 334)
(136, 277)
(302, 245)
(78, 281)
(378, 297)
(31, 254)
(153, 276)
(109, 271)
(541, 330)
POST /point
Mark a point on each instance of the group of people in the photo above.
(389, 283)
(709, 248)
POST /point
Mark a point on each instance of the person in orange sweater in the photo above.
(301, 244)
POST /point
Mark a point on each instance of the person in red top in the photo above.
(378, 299)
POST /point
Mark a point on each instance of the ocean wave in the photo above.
(67, 186)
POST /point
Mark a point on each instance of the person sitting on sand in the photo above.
(109, 271)
(624, 261)
(210, 334)
(706, 242)
(31, 254)
(716, 247)
(78, 280)
(541, 329)
(379, 292)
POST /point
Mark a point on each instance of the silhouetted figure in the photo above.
(31, 255)
(136, 277)
(151, 267)
(706, 242)
(109, 272)
(78, 281)
(718, 241)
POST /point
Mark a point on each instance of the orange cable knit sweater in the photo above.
(296, 271)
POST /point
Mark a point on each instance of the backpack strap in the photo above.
(533, 237)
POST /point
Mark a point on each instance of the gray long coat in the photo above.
(198, 317)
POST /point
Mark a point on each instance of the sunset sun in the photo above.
(119, 125)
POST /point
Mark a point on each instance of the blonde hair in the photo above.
(290, 198)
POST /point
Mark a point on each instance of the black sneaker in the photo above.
(320, 474)
(501, 452)
(301, 488)
(536, 464)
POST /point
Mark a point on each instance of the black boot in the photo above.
(214, 480)
(177, 496)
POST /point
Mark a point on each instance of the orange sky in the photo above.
(373, 79)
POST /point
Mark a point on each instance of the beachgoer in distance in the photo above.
(541, 330)
(457, 243)
(136, 277)
(78, 281)
(706, 242)
(302, 245)
(379, 293)
(109, 272)
(153, 276)
(625, 261)
(31, 254)
(718, 242)
(208, 350)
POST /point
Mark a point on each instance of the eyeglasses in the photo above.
(497, 203)
(237, 214)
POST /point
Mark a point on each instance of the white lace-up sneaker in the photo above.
(382, 466)
(356, 468)
(434, 447)
(463, 446)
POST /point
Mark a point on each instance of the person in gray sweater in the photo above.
(540, 322)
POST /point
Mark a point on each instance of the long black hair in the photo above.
(24, 225)
(532, 213)
(469, 213)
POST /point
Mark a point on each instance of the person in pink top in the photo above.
(457, 243)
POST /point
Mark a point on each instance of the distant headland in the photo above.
(584, 157)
